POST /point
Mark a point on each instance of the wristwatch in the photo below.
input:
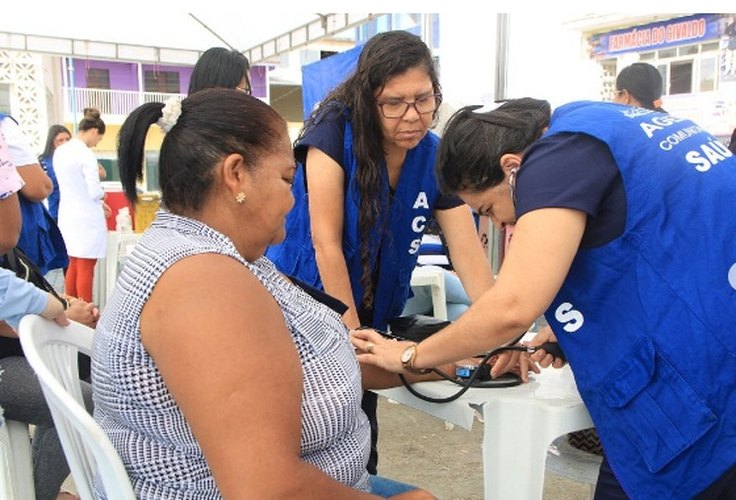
(407, 361)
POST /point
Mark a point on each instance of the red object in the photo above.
(116, 200)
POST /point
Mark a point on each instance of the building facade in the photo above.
(696, 56)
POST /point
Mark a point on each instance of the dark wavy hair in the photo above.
(54, 130)
(473, 142)
(383, 57)
(213, 124)
(219, 67)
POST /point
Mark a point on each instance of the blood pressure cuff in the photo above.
(416, 327)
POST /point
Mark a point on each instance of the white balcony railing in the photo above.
(111, 103)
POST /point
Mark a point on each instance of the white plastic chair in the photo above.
(577, 465)
(16, 468)
(433, 277)
(119, 246)
(51, 351)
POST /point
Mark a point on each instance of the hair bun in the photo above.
(91, 114)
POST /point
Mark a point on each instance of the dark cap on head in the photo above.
(643, 82)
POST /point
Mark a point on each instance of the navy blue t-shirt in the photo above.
(328, 135)
(574, 171)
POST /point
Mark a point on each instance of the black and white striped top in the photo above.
(149, 431)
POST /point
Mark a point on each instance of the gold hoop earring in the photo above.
(240, 198)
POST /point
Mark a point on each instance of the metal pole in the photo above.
(498, 237)
(212, 31)
(72, 94)
(502, 56)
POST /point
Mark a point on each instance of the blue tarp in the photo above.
(322, 76)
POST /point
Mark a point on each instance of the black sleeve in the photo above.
(574, 171)
(446, 201)
(327, 134)
(324, 298)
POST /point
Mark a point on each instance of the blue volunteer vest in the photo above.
(394, 241)
(40, 238)
(647, 321)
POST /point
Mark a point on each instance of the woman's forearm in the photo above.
(336, 281)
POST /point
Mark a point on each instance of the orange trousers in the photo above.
(79, 278)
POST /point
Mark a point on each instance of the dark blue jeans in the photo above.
(608, 487)
(384, 487)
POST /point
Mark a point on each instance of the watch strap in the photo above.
(408, 364)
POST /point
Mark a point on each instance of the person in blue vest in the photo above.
(366, 191)
(58, 135)
(40, 238)
(622, 237)
(21, 397)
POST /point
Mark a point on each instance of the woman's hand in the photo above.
(376, 350)
(522, 363)
(83, 312)
(55, 311)
(518, 362)
(545, 335)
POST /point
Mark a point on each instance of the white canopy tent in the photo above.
(165, 36)
(162, 33)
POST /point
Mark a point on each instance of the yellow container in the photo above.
(145, 210)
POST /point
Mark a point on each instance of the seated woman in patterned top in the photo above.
(214, 374)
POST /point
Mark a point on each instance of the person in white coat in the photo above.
(81, 213)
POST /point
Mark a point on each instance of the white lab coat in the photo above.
(81, 217)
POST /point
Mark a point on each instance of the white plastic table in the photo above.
(519, 425)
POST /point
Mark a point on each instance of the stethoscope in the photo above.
(505, 380)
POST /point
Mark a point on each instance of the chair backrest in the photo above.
(119, 246)
(16, 467)
(51, 351)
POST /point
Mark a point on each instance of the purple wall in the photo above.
(259, 80)
(124, 76)
(185, 74)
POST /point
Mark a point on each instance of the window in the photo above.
(98, 78)
(681, 77)
(709, 47)
(664, 70)
(111, 168)
(708, 69)
(151, 178)
(161, 81)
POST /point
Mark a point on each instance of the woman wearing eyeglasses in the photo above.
(619, 239)
(367, 191)
(220, 67)
(640, 84)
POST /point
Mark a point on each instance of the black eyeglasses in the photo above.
(396, 108)
(244, 85)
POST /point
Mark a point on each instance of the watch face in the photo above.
(407, 354)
